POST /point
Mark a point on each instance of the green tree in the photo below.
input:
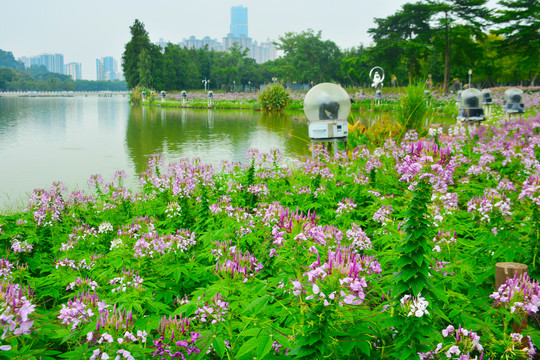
(310, 58)
(145, 69)
(355, 65)
(405, 34)
(519, 22)
(7, 60)
(472, 15)
(225, 69)
(131, 56)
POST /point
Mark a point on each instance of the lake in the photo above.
(68, 139)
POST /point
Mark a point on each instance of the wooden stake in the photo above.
(507, 270)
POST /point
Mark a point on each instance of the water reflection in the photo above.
(43, 140)
(211, 135)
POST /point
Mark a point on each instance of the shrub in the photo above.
(413, 110)
(135, 95)
(274, 98)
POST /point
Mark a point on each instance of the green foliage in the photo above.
(309, 58)
(39, 79)
(141, 60)
(135, 94)
(290, 231)
(274, 98)
(413, 110)
(519, 25)
(7, 60)
(412, 277)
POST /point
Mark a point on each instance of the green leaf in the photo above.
(282, 340)
(264, 347)
(251, 332)
(364, 347)
(247, 347)
(418, 258)
(408, 273)
(177, 274)
(259, 301)
(219, 346)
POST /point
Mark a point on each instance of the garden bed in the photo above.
(383, 254)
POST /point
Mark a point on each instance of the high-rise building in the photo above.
(194, 43)
(263, 52)
(25, 60)
(74, 70)
(243, 42)
(107, 68)
(59, 63)
(239, 21)
(53, 62)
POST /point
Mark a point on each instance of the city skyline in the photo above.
(238, 35)
(83, 31)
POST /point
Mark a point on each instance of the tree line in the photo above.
(14, 77)
(436, 39)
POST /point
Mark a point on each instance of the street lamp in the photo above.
(205, 82)
(249, 86)
(234, 85)
(470, 74)
(274, 79)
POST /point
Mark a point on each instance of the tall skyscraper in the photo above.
(106, 68)
(74, 70)
(261, 52)
(239, 21)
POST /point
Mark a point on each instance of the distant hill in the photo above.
(7, 60)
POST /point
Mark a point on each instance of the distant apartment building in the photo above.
(25, 60)
(107, 69)
(53, 62)
(74, 70)
(194, 43)
(243, 42)
(239, 22)
(263, 52)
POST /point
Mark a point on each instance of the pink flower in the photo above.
(448, 331)
(453, 350)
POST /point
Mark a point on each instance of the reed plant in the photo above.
(413, 109)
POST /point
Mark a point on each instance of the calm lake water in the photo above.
(47, 139)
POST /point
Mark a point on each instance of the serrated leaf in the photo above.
(177, 273)
(264, 346)
(259, 302)
(418, 258)
(282, 340)
(408, 272)
(247, 347)
(364, 347)
(219, 346)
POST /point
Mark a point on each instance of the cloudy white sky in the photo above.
(86, 30)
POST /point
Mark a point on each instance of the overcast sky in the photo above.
(86, 30)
